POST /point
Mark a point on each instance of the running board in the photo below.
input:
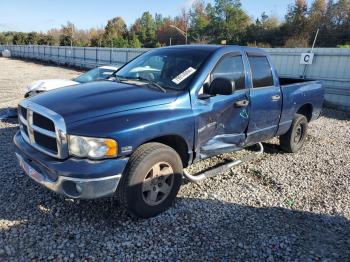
(220, 169)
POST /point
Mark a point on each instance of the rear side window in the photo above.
(232, 68)
(261, 71)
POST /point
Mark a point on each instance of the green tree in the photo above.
(146, 30)
(32, 38)
(115, 34)
(19, 38)
(6, 38)
(199, 21)
(228, 20)
(264, 32)
(159, 21)
(134, 41)
(45, 39)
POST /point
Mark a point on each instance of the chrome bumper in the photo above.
(73, 187)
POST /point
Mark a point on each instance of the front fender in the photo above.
(135, 127)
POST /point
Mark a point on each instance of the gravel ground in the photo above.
(281, 207)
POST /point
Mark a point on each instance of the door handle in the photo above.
(242, 103)
(275, 98)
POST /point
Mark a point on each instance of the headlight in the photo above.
(95, 148)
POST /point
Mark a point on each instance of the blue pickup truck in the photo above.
(132, 136)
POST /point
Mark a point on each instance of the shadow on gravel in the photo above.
(37, 224)
(335, 114)
(270, 148)
(8, 113)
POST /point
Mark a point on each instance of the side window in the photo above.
(261, 71)
(232, 68)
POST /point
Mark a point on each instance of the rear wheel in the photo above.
(294, 139)
(151, 180)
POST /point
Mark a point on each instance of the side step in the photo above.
(220, 169)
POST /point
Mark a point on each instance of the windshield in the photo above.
(170, 68)
(94, 75)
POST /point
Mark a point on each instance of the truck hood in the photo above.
(49, 84)
(100, 98)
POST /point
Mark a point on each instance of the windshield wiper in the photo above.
(148, 81)
(151, 82)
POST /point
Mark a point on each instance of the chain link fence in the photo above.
(87, 57)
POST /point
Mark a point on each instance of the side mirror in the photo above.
(222, 86)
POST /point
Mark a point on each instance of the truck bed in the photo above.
(288, 81)
(297, 93)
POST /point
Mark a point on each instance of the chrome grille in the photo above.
(44, 129)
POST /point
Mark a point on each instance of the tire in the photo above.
(151, 180)
(294, 139)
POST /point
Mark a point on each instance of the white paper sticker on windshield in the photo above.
(185, 74)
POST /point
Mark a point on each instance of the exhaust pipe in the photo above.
(220, 169)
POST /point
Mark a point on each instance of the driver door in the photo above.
(222, 120)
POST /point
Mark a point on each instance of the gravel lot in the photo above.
(290, 207)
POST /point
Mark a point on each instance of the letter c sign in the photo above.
(306, 58)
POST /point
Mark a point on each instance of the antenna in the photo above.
(313, 44)
(312, 51)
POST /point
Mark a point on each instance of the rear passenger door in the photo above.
(265, 98)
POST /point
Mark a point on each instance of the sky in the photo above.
(41, 15)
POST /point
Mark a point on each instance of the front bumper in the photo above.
(73, 177)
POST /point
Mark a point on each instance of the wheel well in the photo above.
(306, 110)
(178, 144)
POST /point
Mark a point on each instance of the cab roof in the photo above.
(214, 48)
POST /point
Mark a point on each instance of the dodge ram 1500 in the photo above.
(132, 136)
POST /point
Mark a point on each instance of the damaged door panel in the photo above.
(223, 119)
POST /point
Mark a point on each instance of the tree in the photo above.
(264, 32)
(296, 23)
(341, 21)
(45, 39)
(134, 42)
(317, 13)
(96, 37)
(67, 34)
(228, 21)
(145, 29)
(159, 21)
(199, 21)
(317, 19)
(6, 38)
(32, 38)
(115, 33)
(19, 38)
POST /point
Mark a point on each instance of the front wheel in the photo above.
(151, 180)
(294, 139)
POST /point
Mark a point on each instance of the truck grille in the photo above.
(44, 129)
(43, 122)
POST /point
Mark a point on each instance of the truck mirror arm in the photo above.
(204, 96)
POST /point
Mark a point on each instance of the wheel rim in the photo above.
(299, 133)
(157, 183)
